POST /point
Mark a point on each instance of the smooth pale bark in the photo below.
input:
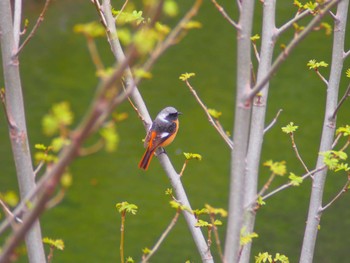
(329, 125)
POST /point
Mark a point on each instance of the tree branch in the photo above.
(35, 28)
(210, 118)
(287, 51)
(139, 103)
(224, 14)
(238, 169)
(9, 38)
(327, 138)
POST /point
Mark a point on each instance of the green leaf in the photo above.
(310, 6)
(169, 191)
(281, 258)
(110, 136)
(66, 180)
(129, 260)
(247, 237)
(192, 25)
(255, 37)
(58, 143)
(290, 128)
(295, 180)
(345, 130)
(260, 201)
(195, 156)
(92, 29)
(10, 197)
(126, 207)
(278, 168)
(146, 251)
(59, 116)
(56, 243)
(186, 76)
(298, 4)
(162, 29)
(40, 147)
(218, 222)
(327, 27)
(170, 8)
(215, 211)
(214, 113)
(177, 205)
(134, 17)
(348, 72)
(331, 159)
(145, 40)
(263, 257)
(313, 64)
(342, 167)
(202, 223)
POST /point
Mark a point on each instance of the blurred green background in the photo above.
(56, 66)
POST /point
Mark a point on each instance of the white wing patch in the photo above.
(164, 134)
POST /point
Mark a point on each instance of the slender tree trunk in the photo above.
(257, 123)
(240, 133)
(17, 123)
(329, 124)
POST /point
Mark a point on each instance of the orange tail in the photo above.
(146, 159)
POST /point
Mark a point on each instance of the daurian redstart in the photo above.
(162, 132)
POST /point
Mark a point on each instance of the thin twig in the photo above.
(273, 122)
(210, 118)
(224, 14)
(162, 237)
(95, 56)
(290, 23)
(295, 148)
(287, 185)
(8, 213)
(122, 9)
(183, 167)
(35, 28)
(217, 238)
(345, 96)
(342, 191)
(287, 51)
(321, 77)
(267, 184)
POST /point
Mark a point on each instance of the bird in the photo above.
(161, 133)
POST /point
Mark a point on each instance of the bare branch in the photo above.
(210, 118)
(321, 77)
(287, 185)
(286, 52)
(162, 237)
(224, 14)
(341, 102)
(35, 28)
(273, 122)
(295, 148)
(290, 23)
(342, 191)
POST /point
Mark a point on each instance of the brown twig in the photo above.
(345, 96)
(224, 14)
(163, 236)
(210, 118)
(287, 185)
(342, 191)
(273, 122)
(295, 148)
(35, 28)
